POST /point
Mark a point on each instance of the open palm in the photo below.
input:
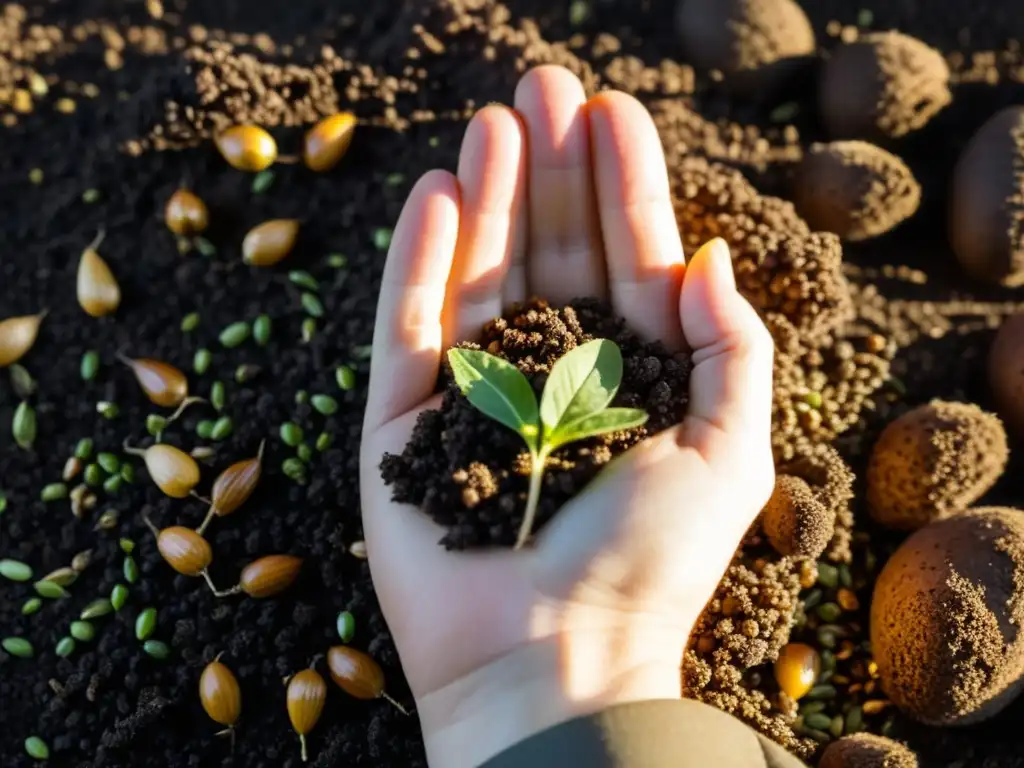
(561, 197)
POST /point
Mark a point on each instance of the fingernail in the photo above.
(719, 263)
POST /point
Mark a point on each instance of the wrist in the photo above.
(541, 684)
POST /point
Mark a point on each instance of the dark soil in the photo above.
(111, 705)
(472, 477)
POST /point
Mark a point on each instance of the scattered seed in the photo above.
(21, 380)
(97, 608)
(218, 395)
(30, 606)
(864, 17)
(118, 596)
(362, 351)
(294, 469)
(358, 550)
(358, 674)
(262, 181)
(848, 600)
(23, 426)
(71, 469)
(62, 577)
(113, 484)
(36, 176)
(128, 473)
(190, 322)
(222, 428)
(90, 196)
(325, 404)
(107, 409)
(268, 576)
(83, 450)
(346, 625)
(205, 428)
(156, 649)
(394, 179)
(579, 12)
(323, 442)
(174, 471)
(220, 694)
(36, 748)
(305, 698)
(50, 590)
(81, 560)
(17, 335)
(65, 647)
(345, 377)
(163, 384)
(312, 305)
(301, 397)
(145, 624)
(202, 453)
(337, 261)
(130, 569)
(845, 576)
(327, 142)
(382, 238)
(83, 631)
(829, 612)
(96, 287)
(246, 372)
(874, 706)
(308, 330)
(234, 334)
(247, 147)
(303, 279)
(93, 475)
(233, 487)
(785, 112)
(18, 646)
(828, 575)
(291, 434)
(818, 721)
(108, 520)
(15, 570)
(854, 720)
(822, 693)
(304, 452)
(3, 502)
(108, 461)
(54, 492)
(204, 246)
(201, 361)
(78, 495)
(267, 243)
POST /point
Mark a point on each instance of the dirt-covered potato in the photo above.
(795, 521)
(946, 618)
(854, 189)
(756, 44)
(882, 86)
(867, 750)
(987, 210)
(1006, 372)
(934, 461)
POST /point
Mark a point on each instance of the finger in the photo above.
(731, 383)
(641, 238)
(492, 221)
(565, 255)
(407, 331)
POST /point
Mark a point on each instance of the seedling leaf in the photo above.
(608, 420)
(582, 382)
(498, 389)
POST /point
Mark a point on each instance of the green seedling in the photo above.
(574, 404)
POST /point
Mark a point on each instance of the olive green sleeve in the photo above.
(648, 734)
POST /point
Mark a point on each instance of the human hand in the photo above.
(560, 198)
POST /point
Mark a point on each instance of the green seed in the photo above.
(50, 590)
(93, 475)
(812, 708)
(304, 452)
(83, 630)
(818, 721)
(22, 381)
(218, 395)
(845, 576)
(201, 361)
(434, 141)
(62, 577)
(345, 377)
(261, 330)
(828, 661)
(190, 322)
(826, 638)
(119, 596)
(888, 726)
(346, 625)
(394, 179)
(234, 334)
(864, 17)
(828, 575)
(301, 397)
(83, 450)
(89, 366)
(262, 181)
(15, 570)
(325, 404)
(128, 473)
(829, 612)
(113, 484)
(362, 352)
(90, 196)
(54, 492)
(822, 693)
(18, 646)
(303, 279)
(36, 747)
(382, 238)
(3, 502)
(813, 399)
(294, 469)
(246, 372)
(323, 442)
(32, 605)
(109, 462)
(312, 305)
(836, 728)
(854, 720)
(65, 647)
(291, 434)
(813, 598)
(222, 428)
(155, 424)
(205, 428)
(205, 247)
(97, 608)
(108, 410)
(156, 649)
(308, 330)
(337, 261)
(145, 624)
(107, 520)
(130, 569)
(127, 546)
(23, 426)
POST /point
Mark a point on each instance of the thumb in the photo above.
(731, 383)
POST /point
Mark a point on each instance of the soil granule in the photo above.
(471, 476)
(866, 750)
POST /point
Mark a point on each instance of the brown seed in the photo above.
(17, 335)
(269, 242)
(64, 577)
(233, 486)
(186, 213)
(269, 575)
(358, 674)
(328, 140)
(71, 469)
(78, 494)
(163, 384)
(848, 600)
(184, 550)
(874, 706)
(306, 694)
(174, 471)
(97, 288)
(220, 694)
(247, 147)
(797, 669)
(81, 561)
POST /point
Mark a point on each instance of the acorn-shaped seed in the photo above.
(797, 669)
(17, 335)
(247, 147)
(174, 471)
(186, 214)
(269, 242)
(233, 486)
(306, 694)
(269, 575)
(328, 140)
(184, 550)
(220, 694)
(97, 288)
(358, 674)
(163, 384)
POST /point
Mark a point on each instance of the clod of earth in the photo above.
(795, 521)
(1006, 372)
(867, 750)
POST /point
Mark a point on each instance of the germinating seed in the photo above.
(107, 409)
(382, 238)
(261, 330)
(291, 434)
(304, 452)
(23, 425)
(101, 606)
(323, 442)
(128, 473)
(36, 747)
(30, 606)
(303, 279)
(83, 630)
(90, 365)
(294, 469)
(54, 492)
(65, 647)
(83, 450)
(113, 484)
(325, 404)
(93, 475)
(234, 334)
(262, 181)
(205, 247)
(201, 361)
(205, 428)
(246, 372)
(109, 462)
(156, 649)
(312, 305)
(127, 546)
(81, 560)
(50, 590)
(337, 261)
(308, 330)
(108, 520)
(130, 569)
(145, 624)
(15, 570)
(22, 381)
(62, 577)
(218, 395)
(119, 596)
(18, 646)
(190, 322)
(346, 626)
(345, 377)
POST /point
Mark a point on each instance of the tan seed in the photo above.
(328, 141)
(848, 600)
(17, 335)
(267, 243)
(219, 693)
(269, 575)
(97, 288)
(874, 706)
